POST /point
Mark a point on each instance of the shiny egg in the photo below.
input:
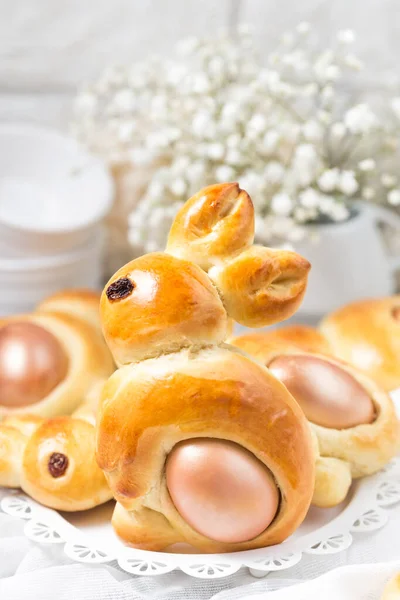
(221, 489)
(328, 395)
(32, 363)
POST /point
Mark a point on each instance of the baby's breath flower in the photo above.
(303, 27)
(328, 180)
(395, 104)
(360, 119)
(288, 38)
(347, 183)
(394, 197)
(338, 130)
(312, 131)
(368, 193)
(85, 104)
(310, 198)
(388, 180)
(216, 151)
(258, 122)
(224, 173)
(346, 36)
(353, 62)
(368, 164)
(215, 113)
(274, 172)
(270, 141)
(178, 186)
(281, 204)
(339, 212)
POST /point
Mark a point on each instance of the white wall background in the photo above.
(47, 47)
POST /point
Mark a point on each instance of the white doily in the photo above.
(89, 538)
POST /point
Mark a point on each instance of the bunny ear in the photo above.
(215, 224)
(262, 286)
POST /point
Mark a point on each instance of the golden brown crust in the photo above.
(12, 445)
(214, 224)
(366, 447)
(166, 304)
(89, 407)
(27, 442)
(332, 481)
(366, 334)
(81, 484)
(168, 314)
(83, 303)
(262, 286)
(214, 393)
(301, 337)
(89, 361)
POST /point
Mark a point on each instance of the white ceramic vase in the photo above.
(349, 261)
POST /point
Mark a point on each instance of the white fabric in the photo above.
(29, 571)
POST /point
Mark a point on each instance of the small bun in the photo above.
(262, 286)
(367, 335)
(81, 303)
(159, 303)
(214, 224)
(367, 447)
(59, 468)
(301, 337)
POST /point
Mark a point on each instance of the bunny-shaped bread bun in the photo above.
(353, 418)
(199, 443)
(53, 460)
(366, 334)
(50, 359)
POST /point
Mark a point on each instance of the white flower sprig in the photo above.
(215, 113)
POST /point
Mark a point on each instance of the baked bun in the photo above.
(59, 468)
(50, 359)
(52, 460)
(200, 444)
(392, 589)
(354, 420)
(81, 303)
(367, 335)
(214, 225)
(213, 394)
(300, 337)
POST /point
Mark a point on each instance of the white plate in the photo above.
(49, 183)
(88, 536)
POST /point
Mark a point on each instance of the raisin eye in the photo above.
(119, 289)
(396, 313)
(58, 464)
